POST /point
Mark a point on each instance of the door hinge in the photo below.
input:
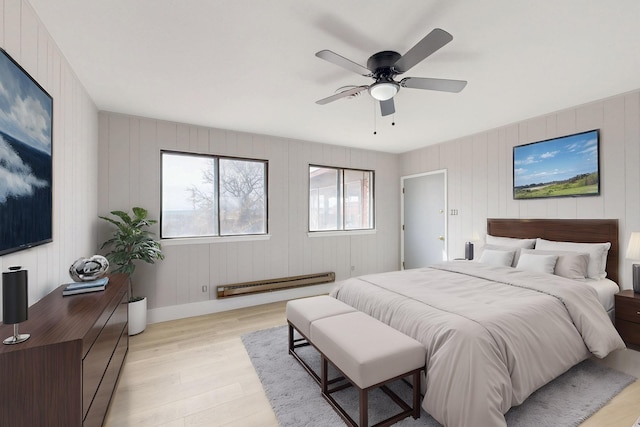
(402, 227)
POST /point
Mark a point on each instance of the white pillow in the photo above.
(514, 249)
(571, 265)
(510, 241)
(537, 263)
(597, 254)
(495, 257)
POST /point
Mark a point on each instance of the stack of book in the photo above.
(84, 287)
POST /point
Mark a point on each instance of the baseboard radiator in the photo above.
(269, 285)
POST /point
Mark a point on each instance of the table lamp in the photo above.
(633, 252)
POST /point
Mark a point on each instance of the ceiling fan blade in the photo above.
(443, 85)
(387, 107)
(342, 94)
(425, 47)
(343, 62)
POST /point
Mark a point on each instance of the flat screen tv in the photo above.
(567, 166)
(25, 159)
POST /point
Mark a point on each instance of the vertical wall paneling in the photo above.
(3, 23)
(589, 117)
(632, 176)
(480, 174)
(495, 175)
(618, 119)
(12, 21)
(29, 40)
(612, 182)
(175, 285)
(148, 131)
(75, 151)
(134, 159)
(511, 140)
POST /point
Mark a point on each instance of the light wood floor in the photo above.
(196, 372)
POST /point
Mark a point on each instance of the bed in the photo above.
(494, 334)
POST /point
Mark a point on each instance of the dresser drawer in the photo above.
(100, 405)
(628, 309)
(97, 327)
(97, 359)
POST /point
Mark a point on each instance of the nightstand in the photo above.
(628, 316)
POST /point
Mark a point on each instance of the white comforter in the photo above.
(493, 334)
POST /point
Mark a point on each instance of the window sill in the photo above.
(208, 240)
(341, 233)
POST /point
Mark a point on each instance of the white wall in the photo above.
(75, 141)
(480, 179)
(130, 176)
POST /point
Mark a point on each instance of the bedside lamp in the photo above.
(633, 252)
(15, 304)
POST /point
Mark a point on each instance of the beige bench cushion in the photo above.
(301, 312)
(366, 350)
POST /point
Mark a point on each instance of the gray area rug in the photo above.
(295, 397)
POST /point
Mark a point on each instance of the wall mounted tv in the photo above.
(25, 159)
(567, 166)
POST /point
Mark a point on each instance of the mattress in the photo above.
(605, 290)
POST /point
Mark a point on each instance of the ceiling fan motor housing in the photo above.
(381, 64)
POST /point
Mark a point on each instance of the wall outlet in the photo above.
(205, 288)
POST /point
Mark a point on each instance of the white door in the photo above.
(424, 216)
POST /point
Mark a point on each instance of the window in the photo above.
(204, 195)
(340, 199)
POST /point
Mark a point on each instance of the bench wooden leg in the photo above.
(364, 407)
(324, 368)
(290, 337)
(416, 395)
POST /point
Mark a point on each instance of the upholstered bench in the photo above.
(301, 313)
(370, 354)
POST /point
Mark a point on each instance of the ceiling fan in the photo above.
(384, 66)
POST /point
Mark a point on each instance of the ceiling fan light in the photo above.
(383, 91)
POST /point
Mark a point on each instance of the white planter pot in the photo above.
(137, 316)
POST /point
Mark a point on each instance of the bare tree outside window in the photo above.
(242, 197)
(206, 195)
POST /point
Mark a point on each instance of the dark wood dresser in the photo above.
(65, 374)
(628, 317)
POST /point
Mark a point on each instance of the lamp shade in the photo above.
(633, 250)
(15, 302)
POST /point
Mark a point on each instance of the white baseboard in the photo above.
(183, 311)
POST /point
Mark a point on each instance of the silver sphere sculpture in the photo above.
(87, 269)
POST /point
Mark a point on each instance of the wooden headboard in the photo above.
(563, 230)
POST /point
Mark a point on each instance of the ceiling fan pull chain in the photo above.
(375, 128)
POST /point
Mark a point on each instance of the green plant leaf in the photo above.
(131, 241)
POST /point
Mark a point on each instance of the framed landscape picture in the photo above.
(567, 166)
(25, 159)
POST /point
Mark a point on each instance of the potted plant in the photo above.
(131, 242)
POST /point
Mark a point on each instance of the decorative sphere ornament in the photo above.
(87, 269)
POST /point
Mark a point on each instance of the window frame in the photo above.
(218, 236)
(341, 186)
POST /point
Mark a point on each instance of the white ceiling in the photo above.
(249, 65)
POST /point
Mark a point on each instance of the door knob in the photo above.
(441, 238)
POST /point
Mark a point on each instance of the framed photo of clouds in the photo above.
(26, 113)
(567, 166)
